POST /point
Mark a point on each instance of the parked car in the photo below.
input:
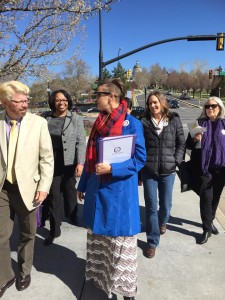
(168, 100)
(174, 104)
(137, 111)
(93, 109)
(44, 113)
(76, 109)
(185, 97)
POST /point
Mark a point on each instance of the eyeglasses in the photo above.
(61, 100)
(21, 102)
(213, 106)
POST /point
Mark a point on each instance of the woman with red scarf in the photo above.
(111, 206)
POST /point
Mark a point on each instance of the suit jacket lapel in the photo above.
(67, 120)
(24, 129)
(3, 144)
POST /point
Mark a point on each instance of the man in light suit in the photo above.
(33, 171)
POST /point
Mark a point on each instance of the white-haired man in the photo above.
(26, 171)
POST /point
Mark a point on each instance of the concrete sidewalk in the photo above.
(181, 269)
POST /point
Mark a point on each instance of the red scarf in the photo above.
(105, 125)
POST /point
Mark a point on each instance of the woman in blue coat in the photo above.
(111, 207)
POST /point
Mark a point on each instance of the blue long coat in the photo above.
(112, 208)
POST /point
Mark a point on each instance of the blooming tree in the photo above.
(33, 32)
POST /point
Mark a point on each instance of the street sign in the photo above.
(222, 73)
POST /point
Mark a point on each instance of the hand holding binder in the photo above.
(116, 149)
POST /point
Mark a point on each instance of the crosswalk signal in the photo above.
(220, 41)
(210, 74)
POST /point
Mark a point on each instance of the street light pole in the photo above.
(48, 90)
(189, 38)
(145, 96)
(101, 66)
(119, 52)
(219, 91)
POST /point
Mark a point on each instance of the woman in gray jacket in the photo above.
(69, 145)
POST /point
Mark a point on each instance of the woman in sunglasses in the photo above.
(208, 163)
(111, 208)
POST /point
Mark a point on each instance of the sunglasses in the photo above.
(213, 106)
(98, 94)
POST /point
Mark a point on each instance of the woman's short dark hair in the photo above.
(116, 86)
(51, 100)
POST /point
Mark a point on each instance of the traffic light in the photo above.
(128, 74)
(220, 42)
(210, 74)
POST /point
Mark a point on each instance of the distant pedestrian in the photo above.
(208, 163)
(26, 172)
(129, 104)
(111, 206)
(69, 144)
(165, 144)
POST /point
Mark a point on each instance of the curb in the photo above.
(220, 215)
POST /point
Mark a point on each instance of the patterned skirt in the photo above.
(112, 263)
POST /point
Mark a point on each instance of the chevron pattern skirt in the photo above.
(112, 263)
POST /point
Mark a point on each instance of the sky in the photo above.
(135, 23)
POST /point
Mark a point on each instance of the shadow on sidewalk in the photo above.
(172, 220)
(91, 292)
(171, 225)
(61, 262)
(180, 221)
(56, 260)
